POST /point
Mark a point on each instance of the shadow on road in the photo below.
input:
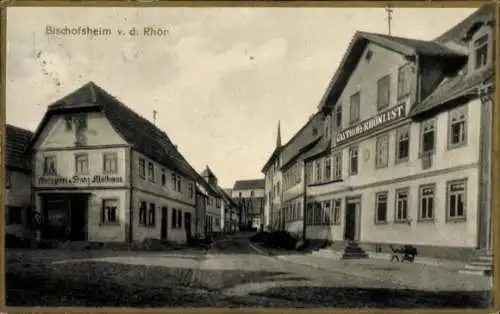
(104, 284)
(338, 297)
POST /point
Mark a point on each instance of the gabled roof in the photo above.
(303, 139)
(272, 158)
(16, 141)
(405, 46)
(208, 173)
(249, 184)
(144, 136)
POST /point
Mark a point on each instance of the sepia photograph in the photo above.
(249, 157)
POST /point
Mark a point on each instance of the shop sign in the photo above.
(372, 123)
(80, 180)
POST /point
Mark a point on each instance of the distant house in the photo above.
(249, 195)
(103, 173)
(17, 182)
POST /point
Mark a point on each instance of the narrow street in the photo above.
(232, 274)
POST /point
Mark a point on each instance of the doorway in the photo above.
(64, 217)
(351, 219)
(187, 224)
(164, 223)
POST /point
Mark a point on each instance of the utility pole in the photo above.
(389, 18)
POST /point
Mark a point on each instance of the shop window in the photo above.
(381, 207)
(309, 213)
(109, 211)
(402, 205)
(174, 218)
(402, 144)
(428, 136)
(110, 163)
(457, 127)
(151, 172)
(383, 92)
(353, 160)
(179, 219)
(142, 168)
(81, 164)
(427, 195)
(318, 213)
(354, 108)
(49, 165)
(327, 212)
(456, 200)
(382, 151)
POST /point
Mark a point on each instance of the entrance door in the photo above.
(78, 217)
(164, 222)
(350, 221)
(187, 224)
(56, 224)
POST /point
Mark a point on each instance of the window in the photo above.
(109, 211)
(428, 136)
(217, 202)
(176, 182)
(382, 151)
(8, 179)
(336, 211)
(327, 212)
(353, 160)
(110, 163)
(327, 127)
(457, 129)
(309, 213)
(404, 81)
(427, 202)
(481, 51)
(381, 207)
(174, 218)
(318, 171)
(402, 144)
(456, 199)
(239, 193)
(354, 108)
(337, 165)
(81, 164)
(338, 116)
(251, 193)
(151, 215)
(14, 215)
(151, 171)
(402, 205)
(318, 213)
(163, 178)
(49, 165)
(328, 169)
(309, 173)
(142, 168)
(383, 92)
(191, 190)
(294, 211)
(143, 215)
(179, 219)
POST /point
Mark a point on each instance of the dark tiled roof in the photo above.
(303, 138)
(144, 136)
(321, 146)
(249, 184)
(405, 46)
(16, 141)
(452, 88)
(456, 33)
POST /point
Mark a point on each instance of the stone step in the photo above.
(477, 272)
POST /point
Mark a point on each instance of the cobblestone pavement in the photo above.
(230, 275)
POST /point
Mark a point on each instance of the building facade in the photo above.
(408, 160)
(103, 173)
(249, 197)
(17, 188)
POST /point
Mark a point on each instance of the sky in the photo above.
(220, 80)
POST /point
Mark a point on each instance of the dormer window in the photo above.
(481, 51)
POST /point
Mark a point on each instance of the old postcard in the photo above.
(292, 157)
